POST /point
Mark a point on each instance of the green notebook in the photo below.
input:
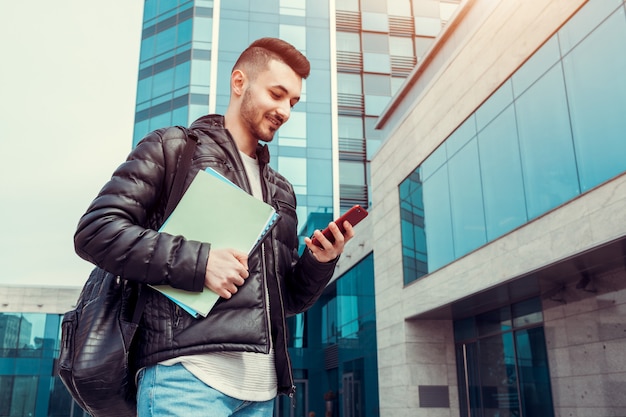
(216, 211)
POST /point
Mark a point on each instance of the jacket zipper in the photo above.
(178, 314)
(266, 295)
(269, 320)
(284, 334)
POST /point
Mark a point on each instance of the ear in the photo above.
(237, 82)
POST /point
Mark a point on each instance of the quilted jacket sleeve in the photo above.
(118, 231)
(307, 282)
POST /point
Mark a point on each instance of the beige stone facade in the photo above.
(584, 325)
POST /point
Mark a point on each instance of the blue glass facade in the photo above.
(172, 64)
(29, 347)
(552, 131)
(502, 363)
(333, 348)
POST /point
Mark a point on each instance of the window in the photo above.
(376, 42)
(375, 84)
(293, 133)
(294, 169)
(293, 7)
(350, 310)
(350, 127)
(502, 364)
(376, 63)
(348, 42)
(295, 35)
(401, 46)
(348, 83)
(375, 22)
(347, 5)
(554, 130)
(399, 8)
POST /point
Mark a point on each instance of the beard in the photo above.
(249, 113)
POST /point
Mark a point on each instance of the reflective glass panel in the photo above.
(351, 173)
(401, 46)
(376, 43)
(296, 35)
(596, 87)
(294, 169)
(527, 312)
(375, 22)
(376, 63)
(545, 140)
(439, 241)
(498, 384)
(295, 128)
(348, 5)
(491, 108)
(375, 84)
(349, 83)
(468, 221)
(533, 373)
(536, 66)
(583, 22)
(350, 127)
(414, 251)
(399, 7)
(348, 42)
(505, 206)
(494, 321)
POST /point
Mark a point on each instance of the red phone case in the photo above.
(353, 216)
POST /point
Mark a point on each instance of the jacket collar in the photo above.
(216, 121)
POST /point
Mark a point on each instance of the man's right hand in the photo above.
(226, 271)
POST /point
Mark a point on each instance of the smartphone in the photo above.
(353, 216)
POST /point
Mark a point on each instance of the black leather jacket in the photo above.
(118, 233)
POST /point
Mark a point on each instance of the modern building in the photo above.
(361, 52)
(498, 219)
(30, 336)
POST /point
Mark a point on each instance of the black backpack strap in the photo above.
(184, 163)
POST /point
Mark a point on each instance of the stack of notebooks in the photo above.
(216, 211)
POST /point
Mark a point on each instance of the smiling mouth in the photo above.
(276, 122)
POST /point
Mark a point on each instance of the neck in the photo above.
(245, 142)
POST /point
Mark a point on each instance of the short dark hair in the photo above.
(260, 52)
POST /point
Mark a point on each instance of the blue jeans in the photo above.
(174, 391)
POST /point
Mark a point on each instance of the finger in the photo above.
(336, 233)
(349, 234)
(238, 281)
(224, 293)
(241, 272)
(322, 241)
(313, 247)
(242, 258)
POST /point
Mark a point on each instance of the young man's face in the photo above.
(268, 99)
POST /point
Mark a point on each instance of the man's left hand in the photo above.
(329, 250)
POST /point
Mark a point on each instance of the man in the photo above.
(235, 361)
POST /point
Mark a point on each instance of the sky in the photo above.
(68, 77)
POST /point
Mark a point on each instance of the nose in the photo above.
(284, 110)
